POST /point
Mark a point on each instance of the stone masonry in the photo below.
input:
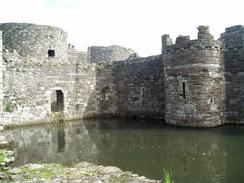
(191, 83)
(194, 81)
(1, 81)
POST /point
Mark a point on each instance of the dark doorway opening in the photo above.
(57, 104)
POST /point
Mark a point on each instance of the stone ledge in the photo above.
(82, 172)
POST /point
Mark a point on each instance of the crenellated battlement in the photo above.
(205, 41)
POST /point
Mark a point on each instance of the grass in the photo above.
(8, 107)
(167, 177)
(47, 171)
(3, 156)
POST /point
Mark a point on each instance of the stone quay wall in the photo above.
(233, 39)
(194, 80)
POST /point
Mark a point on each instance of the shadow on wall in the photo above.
(133, 88)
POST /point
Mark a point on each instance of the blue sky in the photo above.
(137, 24)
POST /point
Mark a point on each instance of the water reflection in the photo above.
(61, 139)
(193, 155)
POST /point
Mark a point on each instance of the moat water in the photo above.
(192, 155)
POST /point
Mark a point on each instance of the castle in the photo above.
(191, 83)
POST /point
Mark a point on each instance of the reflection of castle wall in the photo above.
(52, 144)
(127, 144)
(179, 151)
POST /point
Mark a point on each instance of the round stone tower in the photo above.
(194, 81)
(38, 42)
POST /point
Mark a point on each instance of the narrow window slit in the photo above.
(184, 89)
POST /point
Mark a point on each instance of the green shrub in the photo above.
(3, 156)
(8, 107)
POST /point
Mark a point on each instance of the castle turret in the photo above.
(37, 42)
(203, 33)
(194, 81)
(166, 42)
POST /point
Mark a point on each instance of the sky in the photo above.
(136, 24)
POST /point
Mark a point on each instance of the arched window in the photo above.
(104, 93)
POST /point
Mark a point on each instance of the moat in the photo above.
(192, 155)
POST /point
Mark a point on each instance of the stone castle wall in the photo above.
(132, 88)
(34, 41)
(30, 89)
(108, 54)
(194, 81)
(31, 77)
(75, 56)
(140, 87)
(1, 81)
(233, 39)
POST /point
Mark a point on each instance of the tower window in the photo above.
(184, 90)
(51, 53)
(105, 93)
(143, 95)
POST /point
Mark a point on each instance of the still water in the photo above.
(192, 155)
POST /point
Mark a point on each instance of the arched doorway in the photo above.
(57, 101)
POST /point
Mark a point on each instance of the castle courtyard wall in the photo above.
(139, 84)
(28, 91)
(233, 39)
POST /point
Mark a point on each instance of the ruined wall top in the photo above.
(109, 54)
(205, 41)
(233, 37)
(76, 57)
(203, 32)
